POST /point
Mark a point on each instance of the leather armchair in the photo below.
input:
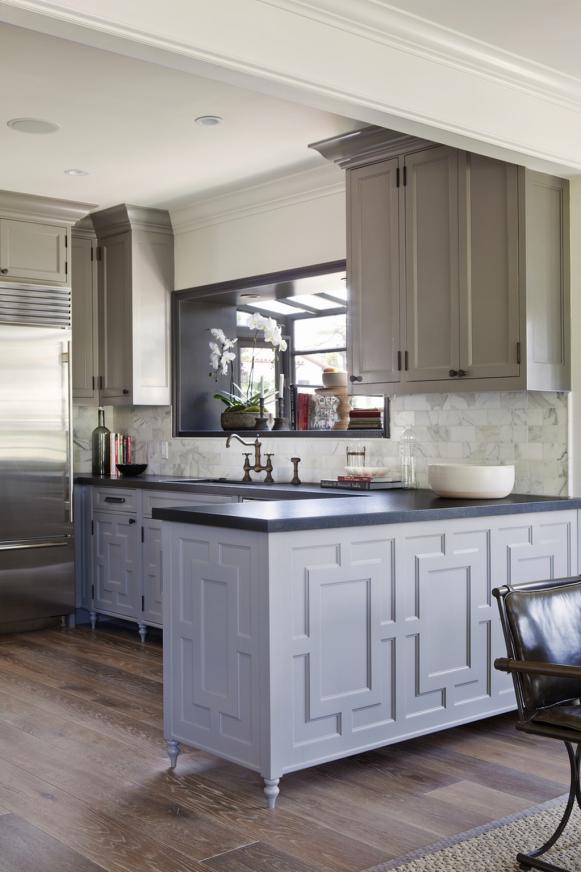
(541, 622)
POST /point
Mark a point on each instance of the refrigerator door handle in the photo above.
(27, 546)
(68, 363)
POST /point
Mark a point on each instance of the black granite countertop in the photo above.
(389, 507)
(226, 487)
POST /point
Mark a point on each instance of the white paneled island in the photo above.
(297, 633)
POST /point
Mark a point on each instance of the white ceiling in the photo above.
(544, 31)
(130, 124)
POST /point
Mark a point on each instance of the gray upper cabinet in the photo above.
(480, 249)
(115, 325)
(85, 313)
(35, 238)
(489, 269)
(374, 340)
(545, 260)
(430, 180)
(33, 252)
(135, 279)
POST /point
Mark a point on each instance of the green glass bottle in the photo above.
(101, 447)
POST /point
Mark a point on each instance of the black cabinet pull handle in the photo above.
(132, 521)
(453, 372)
(114, 499)
(125, 391)
(4, 271)
(462, 373)
(356, 378)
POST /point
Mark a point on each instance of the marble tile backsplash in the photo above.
(527, 429)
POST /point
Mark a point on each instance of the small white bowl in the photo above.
(334, 379)
(471, 482)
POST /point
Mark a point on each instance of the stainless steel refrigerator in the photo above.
(36, 530)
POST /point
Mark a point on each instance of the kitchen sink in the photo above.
(235, 481)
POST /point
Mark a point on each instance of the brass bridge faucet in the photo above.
(258, 465)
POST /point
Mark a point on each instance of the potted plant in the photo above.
(242, 407)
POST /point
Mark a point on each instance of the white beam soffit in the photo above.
(366, 60)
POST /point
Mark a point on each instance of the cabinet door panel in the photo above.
(374, 275)
(445, 605)
(547, 280)
(85, 313)
(489, 282)
(431, 220)
(152, 574)
(33, 252)
(117, 546)
(116, 328)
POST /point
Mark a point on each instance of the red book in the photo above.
(303, 411)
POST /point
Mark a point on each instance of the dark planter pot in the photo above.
(235, 420)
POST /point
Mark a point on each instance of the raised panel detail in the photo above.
(444, 610)
(343, 655)
(116, 564)
(214, 645)
(152, 573)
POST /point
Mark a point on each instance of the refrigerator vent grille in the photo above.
(39, 306)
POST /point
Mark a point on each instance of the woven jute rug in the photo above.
(493, 847)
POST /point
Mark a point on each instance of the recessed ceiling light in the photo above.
(209, 120)
(32, 125)
(73, 172)
(250, 296)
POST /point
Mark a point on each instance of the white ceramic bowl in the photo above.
(334, 379)
(471, 482)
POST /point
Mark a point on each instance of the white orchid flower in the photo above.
(218, 334)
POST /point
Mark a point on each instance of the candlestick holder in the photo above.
(261, 423)
(280, 422)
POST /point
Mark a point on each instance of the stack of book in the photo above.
(303, 411)
(365, 419)
(121, 450)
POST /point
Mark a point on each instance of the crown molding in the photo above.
(404, 31)
(29, 207)
(117, 219)
(278, 193)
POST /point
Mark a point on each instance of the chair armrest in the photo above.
(558, 670)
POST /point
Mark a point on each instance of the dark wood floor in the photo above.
(84, 783)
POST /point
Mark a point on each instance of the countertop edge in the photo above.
(212, 517)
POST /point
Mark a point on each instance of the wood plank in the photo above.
(257, 858)
(468, 795)
(137, 662)
(24, 848)
(90, 831)
(154, 813)
(82, 760)
(87, 677)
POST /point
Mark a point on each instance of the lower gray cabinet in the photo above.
(116, 564)
(152, 575)
(120, 559)
(292, 649)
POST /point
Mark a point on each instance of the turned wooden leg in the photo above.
(93, 619)
(173, 751)
(142, 632)
(271, 791)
